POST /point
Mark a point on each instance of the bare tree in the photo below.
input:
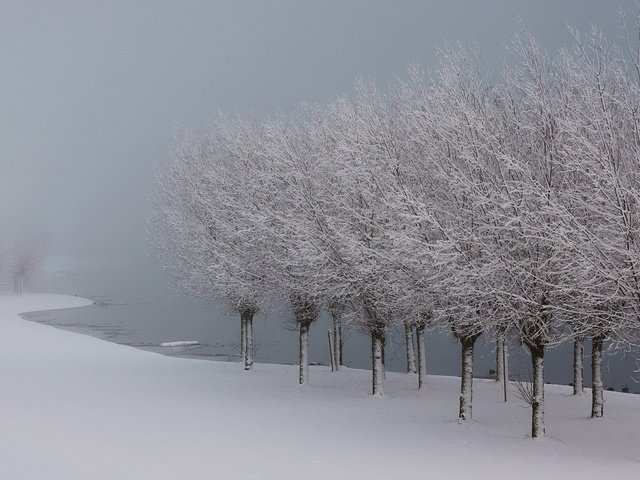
(26, 259)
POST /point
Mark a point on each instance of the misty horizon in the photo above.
(96, 93)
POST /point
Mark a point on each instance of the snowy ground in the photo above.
(75, 407)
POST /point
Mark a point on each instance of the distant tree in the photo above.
(26, 259)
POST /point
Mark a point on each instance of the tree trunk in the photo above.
(249, 330)
(578, 365)
(340, 345)
(597, 393)
(466, 383)
(537, 399)
(411, 356)
(304, 354)
(506, 363)
(502, 364)
(247, 342)
(337, 341)
(500, 359)
(377, 360)
(332, 359)
(422, 357)
(243, 338)
(306, 312)
(384, 361)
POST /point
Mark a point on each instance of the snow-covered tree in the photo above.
(364, 216)
(446, 172)
(602, 150)
(299, 243)
(501, 205)
(204, 228)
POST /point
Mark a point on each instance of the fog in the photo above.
(93, 93)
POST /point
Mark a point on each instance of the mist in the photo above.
(95, 92)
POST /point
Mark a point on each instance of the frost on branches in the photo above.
(504, 205)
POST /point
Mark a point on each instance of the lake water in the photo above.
(135, 306)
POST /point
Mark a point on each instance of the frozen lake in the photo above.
(135, 306)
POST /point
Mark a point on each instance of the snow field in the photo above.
(75, 407)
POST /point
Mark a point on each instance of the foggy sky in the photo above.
(92, 93)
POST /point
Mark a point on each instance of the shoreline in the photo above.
(125, 413)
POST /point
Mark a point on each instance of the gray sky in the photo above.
(93, 92)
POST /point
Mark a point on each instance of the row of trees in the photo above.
(492, 204)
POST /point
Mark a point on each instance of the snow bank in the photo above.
(33, 302)
(75, 407)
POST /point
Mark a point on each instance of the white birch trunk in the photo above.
(377, 352)
(578, 366)
(249, 332)
(411, 356)
(422, 357)
(537, 400)
(597, 389)
(466, 381)
(303, 357)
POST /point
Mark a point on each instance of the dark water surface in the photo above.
(134, 306)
